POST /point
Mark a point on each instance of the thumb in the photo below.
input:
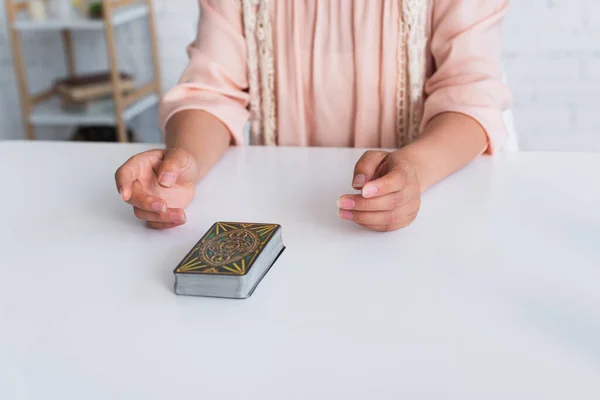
(365, 168)
(177, 166)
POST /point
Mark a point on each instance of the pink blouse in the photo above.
(336, 69)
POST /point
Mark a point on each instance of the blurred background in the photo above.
(551, 57)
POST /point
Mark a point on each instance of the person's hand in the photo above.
(390, 195)
(159, 184)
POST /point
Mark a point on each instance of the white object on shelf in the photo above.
(61, 9)
(37, 10)
(120, 16)
(50, 113)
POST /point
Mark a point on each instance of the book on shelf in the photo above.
(84, 88)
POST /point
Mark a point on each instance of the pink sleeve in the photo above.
(468, 77)
(215, 79)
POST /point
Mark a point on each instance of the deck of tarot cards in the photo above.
(230, 260)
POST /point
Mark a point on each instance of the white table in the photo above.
(493, 293)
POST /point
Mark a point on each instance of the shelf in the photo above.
(120, 16)
(49, 113)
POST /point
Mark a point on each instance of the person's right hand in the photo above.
(159, 184)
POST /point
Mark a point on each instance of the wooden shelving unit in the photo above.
(43, 109)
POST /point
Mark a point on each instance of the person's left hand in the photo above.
(390, 195)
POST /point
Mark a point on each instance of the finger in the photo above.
(162, 225)
(394, 181)
(368, 217)
(141, 199)
(383, 203)
(177, 165)
(393, 226)
(130, 171)
(366, 167)
(173, 215)
(385, 228)
(126, 175)
(400, 216)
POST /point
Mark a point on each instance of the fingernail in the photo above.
(369, 191)
(176, 217)
(346, 204)
(343, 214)
(167, 179)
(158, 207)
(359, 181)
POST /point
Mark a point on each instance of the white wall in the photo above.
(552, 56)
